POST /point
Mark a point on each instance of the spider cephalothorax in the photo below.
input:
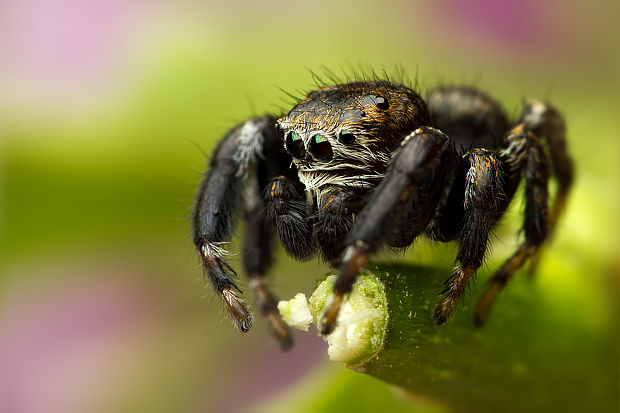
(356, 166)
(344, 135)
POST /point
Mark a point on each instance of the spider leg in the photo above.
(483, 193)
(545, 121)
(236, 165)
(524, 154)
(430, 197)
(417, 155)
(257, 260)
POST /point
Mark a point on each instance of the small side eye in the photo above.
(295, 146)
(346, 137)
(382, 103)
(321, 148)
(280, 130)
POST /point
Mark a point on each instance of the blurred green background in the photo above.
(105, 108)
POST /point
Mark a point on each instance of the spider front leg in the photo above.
(418, 153)
(245, 160)
(483, 193)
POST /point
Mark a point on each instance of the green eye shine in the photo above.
(320, 148)
(295, 136)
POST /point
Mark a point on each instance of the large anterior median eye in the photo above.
(295, 146)
(320, 148)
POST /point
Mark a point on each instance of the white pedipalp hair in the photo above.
(353, 165)
(317, 180)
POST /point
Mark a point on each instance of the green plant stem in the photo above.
(532, 355)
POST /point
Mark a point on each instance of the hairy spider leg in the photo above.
(523, 155)
(418, 153)
(430, 195)
(239, 164)
(483, 192)
(546, 122)
(257, 259)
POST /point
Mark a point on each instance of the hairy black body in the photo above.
(357, 166)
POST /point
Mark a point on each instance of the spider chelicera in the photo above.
(356, 166)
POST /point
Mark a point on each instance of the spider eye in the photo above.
(321, 148)
(382, 103)
(378, 101)
(295, 146)
(346, 137)
(280, 130)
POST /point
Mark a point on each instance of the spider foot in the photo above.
(241, 315)
(268, 307)
(328, 322)
(444, 309)
(280, 330)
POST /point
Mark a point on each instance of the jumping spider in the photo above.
(356, 166)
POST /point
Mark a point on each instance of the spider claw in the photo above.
(245, 325)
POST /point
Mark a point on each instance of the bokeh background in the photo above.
(106, 108)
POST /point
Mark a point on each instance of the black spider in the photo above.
(355, 166)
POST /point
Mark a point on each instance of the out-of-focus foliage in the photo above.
(104, 108)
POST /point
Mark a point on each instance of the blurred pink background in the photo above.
(102, 306)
